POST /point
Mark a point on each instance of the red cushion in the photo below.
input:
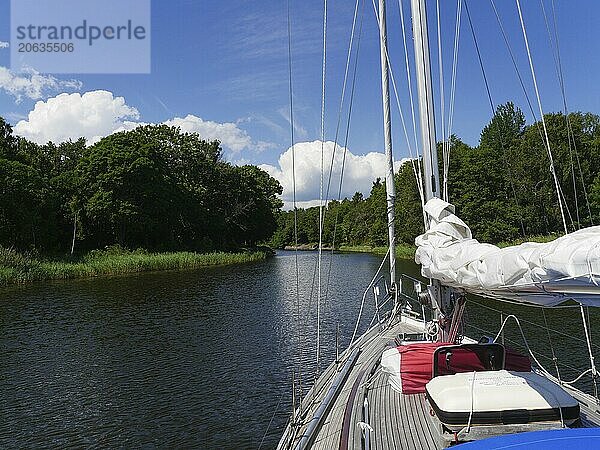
(416, 365)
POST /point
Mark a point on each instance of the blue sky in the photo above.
(226, 63)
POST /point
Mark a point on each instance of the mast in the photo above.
(390, 188)
(425, 92)
(440, 297)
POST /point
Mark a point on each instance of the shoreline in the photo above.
(403, 251)
(407, 251)
(17, 269)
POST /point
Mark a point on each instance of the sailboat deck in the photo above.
(392, 408)
(397, 420)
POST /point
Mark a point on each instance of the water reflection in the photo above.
(183, 359)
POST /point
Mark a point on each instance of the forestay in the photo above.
(545, 274)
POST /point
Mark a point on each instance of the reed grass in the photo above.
(18, 268)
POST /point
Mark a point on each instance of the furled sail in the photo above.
(549, 274)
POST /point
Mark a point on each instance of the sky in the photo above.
(221, 69)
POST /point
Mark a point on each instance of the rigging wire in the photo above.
(418, 170)
(262, 441)
(342, 98)
(560, 333)
(568, 120)
(493, 108)
(554, 358)
(398, 105)
(410, 92)
(297, 370)
(442, 106)
(539, 101)
(447, 125)
(452, 92)
(590, 352)
(554, 49)
(345, 146)
(516, 67)
(320, 257)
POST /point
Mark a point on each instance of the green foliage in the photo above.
(17, 268)
(503, 188)
(153, 187)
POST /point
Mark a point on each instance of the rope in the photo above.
(524, 341)
(457, 319)
(531, 353)
(547, 140)
(472, 402)
(541, 355)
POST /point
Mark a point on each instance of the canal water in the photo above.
(194, 359)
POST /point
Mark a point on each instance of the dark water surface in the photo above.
(193, 359)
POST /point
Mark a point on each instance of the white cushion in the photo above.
(497, 391)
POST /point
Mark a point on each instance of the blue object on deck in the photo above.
(568, 438)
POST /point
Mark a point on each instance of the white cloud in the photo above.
(33, 85)
(96, 114)
(359, 173)
(228, 133)
(4, 44)
(71, 116)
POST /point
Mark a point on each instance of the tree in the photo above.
(251, 206)
(21, 205)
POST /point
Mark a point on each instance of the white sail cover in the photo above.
(567, 268)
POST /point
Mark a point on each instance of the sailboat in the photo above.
(412, 380)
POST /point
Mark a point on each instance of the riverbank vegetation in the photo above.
(502, 188)
(19, 268)
(403, 250)
(154, 187)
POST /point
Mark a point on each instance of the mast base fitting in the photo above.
(425, 298)
(444, 322)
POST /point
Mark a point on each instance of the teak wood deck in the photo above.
(365, 399)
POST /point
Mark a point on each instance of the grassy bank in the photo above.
(407, 251)
(541, 239)
(16, 268)
(403, 251)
